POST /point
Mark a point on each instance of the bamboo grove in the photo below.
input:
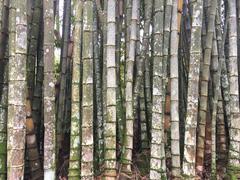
(144, 89)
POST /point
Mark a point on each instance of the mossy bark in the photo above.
(74, 159)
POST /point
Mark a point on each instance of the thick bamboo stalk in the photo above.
(128, 141)
(157, 158)
(193, 87)
(215, 71)
(32, 46)
(110, 125)
(204, 78)
(221, 140)
(174, 80)
(234, 128)
(87, 142)
(144, 54)
(17, 89)
(74, 159)
(49, 92)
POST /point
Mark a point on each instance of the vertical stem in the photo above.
(175, 133)
(205, 76)
(193, 87)
(87, 92)
(157, 144)
(49, 92)
(63, 73)
(110, 126)
(4, 63)
(74, 159)
(17, 88)
(128, 142)
(234, 128)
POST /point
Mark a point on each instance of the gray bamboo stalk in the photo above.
(128, 142)
(221, 140)
(144, 125)
(17, 89)
(1, 28)
(32, 46)
(1, 10)
(74, 159)
(104, 65)
(147, 87)
(165, 60)
(37, 110)
(49, 92)
(205, 76)
(140, 64)
(166, 45)
(87, 92)
(3, 117)
(174, 112)
(99, 153)
(157, 158)
(139, 80)
(61, 116)
(238, 34)
(215, 71)
(139, 127)
(35, 166)
(119, 70)
(4, 28)
(193, 87)
(234, 128)
(128, 13)
(3, 90)
(110, 125)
